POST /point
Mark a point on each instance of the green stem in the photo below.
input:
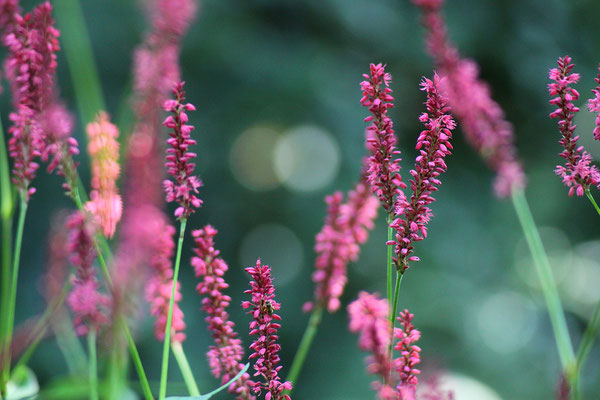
(41, 327)
(7, 206)
(544, 272)
(590, 334)
(184, 366)
(137, 362)
(305, 343)
(399, 276)
(13, 293)
(390, 266)
(592, 200)
(165, 358)
(93, 370)
(69, 343)
(80, 58)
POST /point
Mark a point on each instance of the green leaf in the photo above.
(211, 394)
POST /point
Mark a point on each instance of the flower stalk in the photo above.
(166, 344)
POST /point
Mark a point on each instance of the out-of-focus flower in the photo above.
(383, 165)
(30, 67)
(346, 227)
(263, 308)
(480, 117)
(85, 300)
(225, 356)
(184, 184)
(105, 202)
(369, 318)
(578, 174)
(159, 286)
(594, 106)
(433, 145)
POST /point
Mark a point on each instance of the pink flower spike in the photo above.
(433, 145)
(184, 185)
(383, 165)
(32, 42)
(577, 174)
(225, 356)
(263, 309)
(160, 283)
(369, 318)
(594, 106)
(88, 305)
(105, 203)
(405, 365)
(346, 227)
(481, 118)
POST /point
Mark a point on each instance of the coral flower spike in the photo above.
(182, 188)
(263, 308)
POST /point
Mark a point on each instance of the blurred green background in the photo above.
(279, 125)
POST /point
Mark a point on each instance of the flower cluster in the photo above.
(433, 145)
(369, 317)
(481, 118)
(30, 67)
(263, 309)
(225, 356)
(346, 227)
(103, 147)
(184, 186)
(86, 302)
(594, 106)
(407, 336)
(56, 123)
(159, 286)
(383, 165)
(578, 174)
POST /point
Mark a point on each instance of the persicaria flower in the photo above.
(225, 356)
(263, 308)
(369, 318)
(578, 174)
(346, 227)
(383, 165)
(433, 145)
(32, 43)
(481, 118)
(105, 202)
(56, 124)
(184, 186)
(88, 305)
(409, 357)
(159, 286)
(594, 106)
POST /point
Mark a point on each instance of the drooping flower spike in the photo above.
(346, 227)
(383, 165)
(184, 184)
(264, 325)
(369, 317)
(481, 118)
(225, 356)
(433, 145)
(578, 174)
(105, 202)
